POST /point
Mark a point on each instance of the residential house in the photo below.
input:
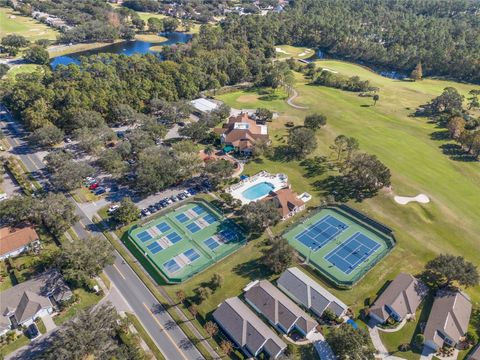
(242, 132)
(14, 241)
(287, 202)
(448, 321)
(401, 298)
(475, 353)
(29, 300)
(246, 329)
(279, 310)
(307, 292)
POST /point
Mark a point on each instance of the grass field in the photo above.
(408, 146)
(12, 22)
(22, 69)
(185, 241)
(287, 51)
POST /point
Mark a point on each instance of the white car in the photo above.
(113, 208)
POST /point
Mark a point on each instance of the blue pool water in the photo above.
(258, 191)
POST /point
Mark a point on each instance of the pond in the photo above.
(126, 47)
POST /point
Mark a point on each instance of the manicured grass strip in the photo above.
(85, 299)
(22, 340)
(12, 22)
(149, 284)
(41, 326)
(145, 336)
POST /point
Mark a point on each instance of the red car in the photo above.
(93, 186)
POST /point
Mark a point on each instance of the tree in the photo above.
(450, 101)
(155, 25)
(218, 170)
(366, 173)
(16, 210)
(170, 24)
(37, 54)
(211, 328)
(417, 73)
(216, 281)
(180, 295)
(257, 216)
(55, 212)
(226, 347)
(92, 334)
(315, 121)
(92, 140)
(473, 102)
(123, 114)
(352, 344)
(197, 131)
(203, 293)
(48, 135)
(12, 43)
(447, 270)
(209, 150)
(127, 212)
(67, 174)
(376, 97)
(263, 115)
(279, 256)
(111, 161)
(302, 141)
(4, 70)
(419, 341)
(456, 126)
(192, 309)
(83, 259)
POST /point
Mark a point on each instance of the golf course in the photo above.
(409, 146)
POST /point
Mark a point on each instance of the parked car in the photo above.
(94, 186)
(174, 198)
(145, 212)
(68, 140)
(32, 331)
(113, 208)
(152, 208)
(168, 200)
(100, 190)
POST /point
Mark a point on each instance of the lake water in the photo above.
(127, 48)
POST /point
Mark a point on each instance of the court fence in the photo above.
(195, 268)
(382, 231)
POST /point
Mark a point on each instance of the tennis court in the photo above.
(339, 244)
(186, 240)
(351, 253)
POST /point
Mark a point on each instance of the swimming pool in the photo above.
(258, 191)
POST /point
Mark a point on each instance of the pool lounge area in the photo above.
(258, 186)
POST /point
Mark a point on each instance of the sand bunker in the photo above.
(330, 70)
(279, 50)
(420, 198)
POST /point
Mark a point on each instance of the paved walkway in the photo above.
(49, 323)
(324, 350)
(293, 97)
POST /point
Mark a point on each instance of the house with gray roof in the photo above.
(475, 353)
(448, 321)
(29, 300)
(307, 292)
(401, 298)
(247, 330)
(279, 310)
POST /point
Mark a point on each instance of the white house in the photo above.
(14, 241)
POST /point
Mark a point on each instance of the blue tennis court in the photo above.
(210, 218)
(228, 234)
(193, 227)
(174, 237)
(352, 252)
(144, 236)
(211, 243)
(154, 248)
(182, 218)
(191, 254)
(199, 210)
(171, 266)
(163, 227)
(321, 232)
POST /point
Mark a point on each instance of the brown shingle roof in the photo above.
(403, 295)
(449, 316)
(242, 137)
(12, 239)
(285, 200)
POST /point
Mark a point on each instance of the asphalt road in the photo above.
(168, 336)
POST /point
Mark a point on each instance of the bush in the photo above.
(404, 347)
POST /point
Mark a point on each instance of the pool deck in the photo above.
(279, 181)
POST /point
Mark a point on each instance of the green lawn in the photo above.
(22, 340)
(12, 22)
(22, 69)
(5, 280)
(449, 224)
(287, 51)
(85, 299)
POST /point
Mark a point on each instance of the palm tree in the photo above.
(226, 347)
(209, 150)
(211, 328)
